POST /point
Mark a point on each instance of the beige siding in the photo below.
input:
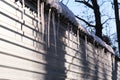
(24, 56)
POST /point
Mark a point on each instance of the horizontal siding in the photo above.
(25, 56)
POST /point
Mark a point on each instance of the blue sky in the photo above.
(106, 8)
(77, 9)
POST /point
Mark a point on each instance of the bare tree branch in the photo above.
(88, 1)
(103, 3)
(85, 21)
(85, 3)
(107, 20)
(67, 2)
(61, 0)
(105, 15)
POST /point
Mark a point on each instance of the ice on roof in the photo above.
(101, 42)
(66, 12)
(63, 9)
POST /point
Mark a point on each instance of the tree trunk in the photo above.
(117, 21)
(98, 25)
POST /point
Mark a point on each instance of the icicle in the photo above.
(94, 43)
(113, 62)
(22, 17)
(42, 19)
(86, 47)
(71, 33)
(23, 6)
(78, 38)
(58, 24)
(68, 35)
(18, 3)
(49, 18)
(102, 51)
(54, 30)
(38, 7)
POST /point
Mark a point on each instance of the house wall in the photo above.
(26, 53)
(117, 71)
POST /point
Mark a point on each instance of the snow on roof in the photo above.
(83, 29)
(97, 39)
(101, 42)
(66, 12)
(63, 9)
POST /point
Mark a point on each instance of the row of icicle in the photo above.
(41, 24)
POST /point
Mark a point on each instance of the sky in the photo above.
(106, 8)
(77, 9)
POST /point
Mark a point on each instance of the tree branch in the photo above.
(85, 3)
(85, 21)
(103, 3)
(107, 20)
(67, 2)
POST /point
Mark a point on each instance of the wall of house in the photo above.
(29, 52)
(117, 71)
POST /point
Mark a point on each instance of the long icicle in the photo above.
(38, 9)
(102, 54)
(78, 38)
(113, 62)
(49, 18)
(68, 34)
(42, 18)
(23, 6)
(54, 30)
(86, 47)
(58, 24)
(23, 13)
